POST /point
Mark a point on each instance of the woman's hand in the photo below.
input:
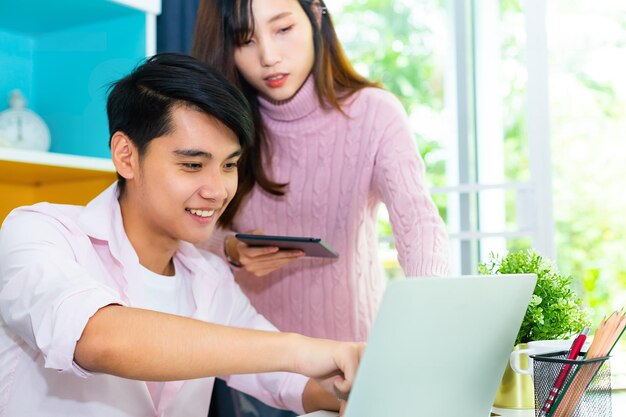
(259, 260)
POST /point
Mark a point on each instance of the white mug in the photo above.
(538, 347)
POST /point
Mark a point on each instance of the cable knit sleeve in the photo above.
(419, 232)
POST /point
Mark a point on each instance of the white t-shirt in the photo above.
(166, 294)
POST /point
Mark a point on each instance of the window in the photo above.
(466, 79)
(411, 59)
(519, 110)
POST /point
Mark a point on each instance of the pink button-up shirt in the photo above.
(58, 266)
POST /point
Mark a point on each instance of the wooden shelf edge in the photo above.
(57, 160)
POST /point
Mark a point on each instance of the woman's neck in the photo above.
(303, 103)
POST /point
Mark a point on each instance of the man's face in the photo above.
(184, 180)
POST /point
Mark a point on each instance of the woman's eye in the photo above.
(246, 42)
(285, 29)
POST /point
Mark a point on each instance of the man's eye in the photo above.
(231, 165)
(194, 166)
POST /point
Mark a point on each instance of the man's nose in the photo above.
(214, 187)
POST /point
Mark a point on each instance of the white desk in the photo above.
(499, 411)
(618, 401)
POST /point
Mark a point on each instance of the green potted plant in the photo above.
(555, 312)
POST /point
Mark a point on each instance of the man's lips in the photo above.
(202, 212)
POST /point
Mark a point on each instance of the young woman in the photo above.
(330, 147)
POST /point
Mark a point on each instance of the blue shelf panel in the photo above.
(41, 16)
(64, 74)
(72, 71)
(16, 65)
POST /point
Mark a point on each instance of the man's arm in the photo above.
(147, 345)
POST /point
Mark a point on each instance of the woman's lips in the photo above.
(276, 80)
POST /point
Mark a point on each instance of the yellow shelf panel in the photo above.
(30, 177)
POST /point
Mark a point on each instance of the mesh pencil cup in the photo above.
(584, 392)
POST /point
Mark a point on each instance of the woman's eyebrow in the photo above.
(279, 16)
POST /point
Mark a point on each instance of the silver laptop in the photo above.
(439, 346)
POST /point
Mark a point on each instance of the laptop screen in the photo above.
(439, 346)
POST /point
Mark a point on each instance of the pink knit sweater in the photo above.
(339, 170)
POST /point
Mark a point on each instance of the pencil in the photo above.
(606, 337)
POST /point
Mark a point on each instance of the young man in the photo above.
(96, 300)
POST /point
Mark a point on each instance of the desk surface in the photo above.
(500, 411)
(618, 401)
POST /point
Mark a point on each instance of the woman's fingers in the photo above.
(263, 260)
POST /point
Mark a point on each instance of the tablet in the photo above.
(311, 246)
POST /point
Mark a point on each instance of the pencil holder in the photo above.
(571, 388)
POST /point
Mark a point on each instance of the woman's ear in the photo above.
(124, 155)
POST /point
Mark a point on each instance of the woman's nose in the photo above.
(269, 54)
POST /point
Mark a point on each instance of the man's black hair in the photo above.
(140, 104)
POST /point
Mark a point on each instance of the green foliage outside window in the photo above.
(403, 60)
(393, 45)
(399, 43)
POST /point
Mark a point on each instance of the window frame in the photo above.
(467, 208)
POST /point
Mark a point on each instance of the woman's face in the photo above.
(278, 57)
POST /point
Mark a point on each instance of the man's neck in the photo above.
(158, 268)
(155, 252)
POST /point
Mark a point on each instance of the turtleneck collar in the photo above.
(303, 103)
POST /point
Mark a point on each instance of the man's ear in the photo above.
(124, 155)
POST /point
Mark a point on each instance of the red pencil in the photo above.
(577, 345)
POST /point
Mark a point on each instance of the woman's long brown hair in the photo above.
(223, 25)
